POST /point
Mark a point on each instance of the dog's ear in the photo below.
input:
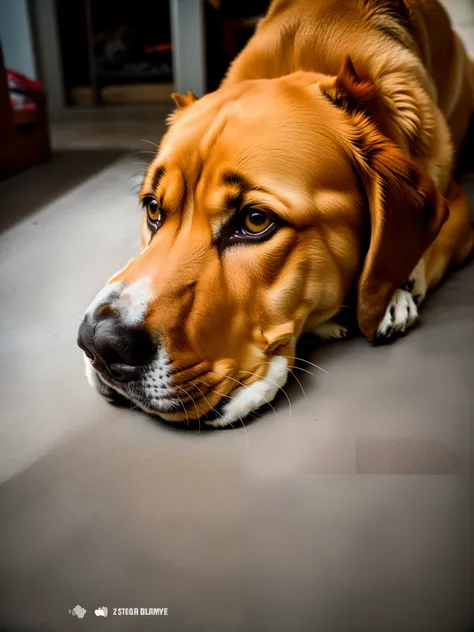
(183, 100)
(357, 94)
(406, 209)
(406, 215)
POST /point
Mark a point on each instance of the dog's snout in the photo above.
(113, 348)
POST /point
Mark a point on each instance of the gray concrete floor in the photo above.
(354, 511)
(55, 252)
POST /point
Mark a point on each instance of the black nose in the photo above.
(113, 348)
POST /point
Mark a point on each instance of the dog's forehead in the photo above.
(292, 154)
(257, 107)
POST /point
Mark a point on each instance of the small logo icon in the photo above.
(102, 611)
(78, 612)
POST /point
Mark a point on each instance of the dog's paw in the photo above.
(416, 284)
(330, 331)
(401, 314)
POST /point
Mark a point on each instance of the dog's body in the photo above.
(421, 68)
(407, 46)
(321, 169)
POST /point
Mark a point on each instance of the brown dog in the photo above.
(322, 168)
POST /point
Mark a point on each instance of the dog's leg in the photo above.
(330, 331)
(453, 246)
(455, 241)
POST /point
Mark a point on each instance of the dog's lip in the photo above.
(168, 402)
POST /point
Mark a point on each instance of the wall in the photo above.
(43, 14)
(16, 37)
(462, 16)
(188, 36)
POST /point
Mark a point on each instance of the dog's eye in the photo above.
(252, 225)
(154, 213)
(256, 221)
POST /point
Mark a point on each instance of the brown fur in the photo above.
(344, 120)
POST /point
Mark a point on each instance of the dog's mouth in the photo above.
(168, 408)
(219, 410)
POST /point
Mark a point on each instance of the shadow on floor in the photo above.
(26, 192)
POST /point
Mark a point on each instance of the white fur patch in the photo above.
(106, 295)
(133, 302)
(246, 399)
(130, 301)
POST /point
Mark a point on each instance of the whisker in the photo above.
(149, 141)
(185, 368)
(301, 385)
(299, 368)
(241, 420)
(291, 371)
(308, 362)
(280, 387)
(192, 399)
(144, 151)
(253, 413)
(139, 173)
(184, 410)
(135, 407)
(202, 394)
(241, 384)
(325, 340)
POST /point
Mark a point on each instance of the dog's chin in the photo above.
(234, 407)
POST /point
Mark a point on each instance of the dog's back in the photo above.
(399, 41)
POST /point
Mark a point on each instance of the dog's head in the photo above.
(266, 203)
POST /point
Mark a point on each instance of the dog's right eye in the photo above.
(154, 213)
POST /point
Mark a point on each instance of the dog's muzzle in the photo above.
(125, 363)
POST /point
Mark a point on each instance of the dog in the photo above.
(319, 174)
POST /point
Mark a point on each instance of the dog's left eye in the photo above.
(252, 225)
(256, 221)
(154, 213)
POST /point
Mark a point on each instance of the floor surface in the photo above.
(351, 510)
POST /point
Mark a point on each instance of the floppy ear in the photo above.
(182, 101)
(406, 209)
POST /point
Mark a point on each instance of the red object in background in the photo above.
(24, 92)
(23, 82)
(158, 48)
(24, 138)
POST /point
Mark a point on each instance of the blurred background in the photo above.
(107, 60)
(356, 508)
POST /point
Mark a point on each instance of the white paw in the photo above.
(401, 314)
(330, 331)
